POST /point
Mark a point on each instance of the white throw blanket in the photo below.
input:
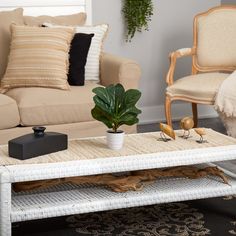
(225, 104)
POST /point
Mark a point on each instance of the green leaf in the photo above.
(99, 115)
(128, 120)
(130, 110)
(114, 106)
(116, 93)
(137, 14)
(131, 97)
(104, 99)
(103, 94)
(102, 105)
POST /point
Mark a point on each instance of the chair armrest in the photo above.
(119, 70)
(173, 58)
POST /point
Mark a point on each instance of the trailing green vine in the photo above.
(137, 14)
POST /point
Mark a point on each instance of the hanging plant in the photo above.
(137, 14)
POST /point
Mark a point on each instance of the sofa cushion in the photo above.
(38, 57)
(9, 117)
(44, 106)
(6, 19)
(74, 19)
(200, 87)
(79, 48)
(92, 67)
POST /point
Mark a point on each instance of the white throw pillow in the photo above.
(92, 66)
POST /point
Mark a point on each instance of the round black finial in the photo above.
(39, 131)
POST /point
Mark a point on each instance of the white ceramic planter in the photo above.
(115, 140)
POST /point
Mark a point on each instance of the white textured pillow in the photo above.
(92, 66)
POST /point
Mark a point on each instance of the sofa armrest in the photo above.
(119, 70)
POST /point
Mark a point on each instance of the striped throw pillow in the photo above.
(92, 71)
(38, 57)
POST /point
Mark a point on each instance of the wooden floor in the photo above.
(213, 123)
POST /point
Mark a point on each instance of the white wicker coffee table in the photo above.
(90, 156)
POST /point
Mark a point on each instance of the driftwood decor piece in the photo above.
(133, 182)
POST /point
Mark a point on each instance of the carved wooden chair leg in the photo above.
(195, 114)
(168, 111)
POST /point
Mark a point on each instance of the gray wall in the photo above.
(228, 2)
(170, 29)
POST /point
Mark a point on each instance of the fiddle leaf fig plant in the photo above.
(137, 14)
(115, 107)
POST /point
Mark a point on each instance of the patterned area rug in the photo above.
(215, 217)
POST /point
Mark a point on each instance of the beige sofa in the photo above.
(59, 110)
(63, 111)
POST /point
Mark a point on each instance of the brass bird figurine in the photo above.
(166, 130)
(186, 124)
(201, 132)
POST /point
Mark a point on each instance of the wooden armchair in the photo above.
(213, 58)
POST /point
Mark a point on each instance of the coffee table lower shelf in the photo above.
(71, 199)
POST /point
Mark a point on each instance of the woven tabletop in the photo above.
(135, 144)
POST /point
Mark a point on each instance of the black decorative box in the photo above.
(37, 144)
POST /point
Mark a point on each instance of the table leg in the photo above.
(5, 209)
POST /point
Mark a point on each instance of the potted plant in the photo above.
(115, 107)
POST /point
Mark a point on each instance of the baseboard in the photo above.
(155, 114)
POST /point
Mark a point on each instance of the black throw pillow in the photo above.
(80, 45)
